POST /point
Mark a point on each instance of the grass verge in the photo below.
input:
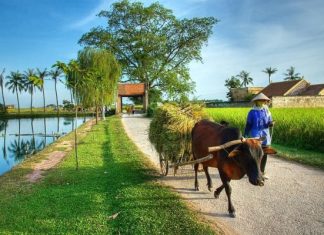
(306, 157)
(114, 178)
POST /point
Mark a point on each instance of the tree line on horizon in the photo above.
(29, 81)
(243, 79)
(89, 78)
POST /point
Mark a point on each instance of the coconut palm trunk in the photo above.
(18, 100)
(71, 96)
(31, 101)
(57, 107)
(3, 99)
(1, 83)
(55, 74)
(42, 75)
(44, 98)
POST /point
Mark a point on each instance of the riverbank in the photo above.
(40, 114)
(115, 191)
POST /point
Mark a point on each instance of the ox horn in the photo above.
(226, 145)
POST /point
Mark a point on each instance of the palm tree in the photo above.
(15, 84)
(230, 83)
(72, 73)
(42, 75)
(1, 84)
(291, 75)
(64, 68)
(55, 74)
(31, 82)
(245, 78)
(270, 71)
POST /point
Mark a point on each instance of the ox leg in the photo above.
(196, 177)
(228, 190)
(209, 181)
(218, 191)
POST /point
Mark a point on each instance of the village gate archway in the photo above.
(130, 90)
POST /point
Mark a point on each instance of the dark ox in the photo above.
(233, 162)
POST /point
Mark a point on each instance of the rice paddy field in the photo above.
(301, 128)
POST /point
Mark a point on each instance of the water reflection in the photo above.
(21, 138)
(3, 129)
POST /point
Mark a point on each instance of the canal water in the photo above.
(21, 138)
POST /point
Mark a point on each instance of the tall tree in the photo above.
(103, 73)
(55, 74)
(42, 74)
(291, 74)
(245, 78)
(269, 71)
(230, 83)
(31, 82)
(152, 45)
(74, 80)
(15, 84)
(1, 84)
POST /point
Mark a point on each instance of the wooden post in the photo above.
(118, 104)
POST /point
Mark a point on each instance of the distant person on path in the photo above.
(128, 110)
(258, 122)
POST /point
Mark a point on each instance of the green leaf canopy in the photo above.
(102, 75)
(151, 44)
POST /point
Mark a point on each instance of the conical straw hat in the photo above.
(260, 96)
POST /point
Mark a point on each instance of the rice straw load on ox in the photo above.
(170, 130)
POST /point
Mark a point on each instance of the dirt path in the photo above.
(59, 150)
(291, 202)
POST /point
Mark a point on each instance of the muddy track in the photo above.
(291, 202)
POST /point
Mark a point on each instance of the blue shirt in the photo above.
(257, 124)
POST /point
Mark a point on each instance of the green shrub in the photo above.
(151, 109)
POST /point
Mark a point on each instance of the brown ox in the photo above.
(233, 162)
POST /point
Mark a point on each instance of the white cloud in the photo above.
(92, 16)
(252, 42)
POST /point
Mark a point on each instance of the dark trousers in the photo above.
(263, 162)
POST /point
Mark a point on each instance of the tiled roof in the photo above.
(131, 89)
(279, 88)
(313, 89)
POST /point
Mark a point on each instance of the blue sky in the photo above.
(251, 35)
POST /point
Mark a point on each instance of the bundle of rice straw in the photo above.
(170, 130)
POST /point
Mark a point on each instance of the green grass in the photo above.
(114, 177)
(298, 132)
(295, 127)
(307, 157)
